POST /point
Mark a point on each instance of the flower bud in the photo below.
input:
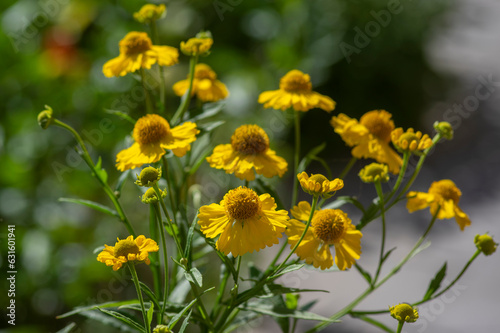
(404, 312)
(148, 177)
(149, 13)
(485, 244)
(445, 129)
(45, 117)
(198, 46)
(162, 329)
(374, 172)
(150, 197)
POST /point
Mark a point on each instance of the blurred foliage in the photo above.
(53, 52)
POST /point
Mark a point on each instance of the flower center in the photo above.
(124, 247)
(203, 71)
(446, 189)
(250, 140)
(379, 124)
(135, 42)
(296, 81)
(318, 178)
(329, 225)
(151, 128)
(242, 203)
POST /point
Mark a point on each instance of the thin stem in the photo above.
(139, 295)
(187, 96)
(149, 107)
(296, 158)
(348, 167)
(400, 326)
(220, 294)
(402, 171)
(166, 287)
(278, 255)
(378, 186)
(169, 221)
(313, 208)
(170, 192)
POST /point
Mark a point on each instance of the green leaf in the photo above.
(180, 292)
(309, 157)
(121, 114)
(368, 215)
(169, 229)
(92, 204)
(364, 273)
(95, 306)
(67, 329)
(121, 180)
(436, 282)
(124, 319)
(101, 173)
(209, 110)
(267, 309)
(386, 255)
(190, 235)
(288, 269)
(421, 248)
(342, 200)
(150, 314)
(108, 321)
(277, 289)
(177, 317)
(194, 276)
(209, 127)
(185, 322)
(292, 301)
(150, 294)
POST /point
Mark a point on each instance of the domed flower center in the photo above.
(203, 71)
(150, 129)
(124, 247)
(318, 178)
(135, 43)
(446, 189)
(250, 140)
(329, 225)
(379, 124)
(296, 81)
(242, 203)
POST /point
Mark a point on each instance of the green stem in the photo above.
(378, 186)
(400, 326)
(155, 264)
(187, 96)
(313, 208)
(169, 221)
(139, 295)
(402, 171)
(348, 167)
(111, 194)
(149, 107)
(372, 288)
(166, 290)
(278, 255)
(296, 158)
(170, 192)
(220, 294)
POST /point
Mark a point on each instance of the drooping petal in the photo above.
(137, 155)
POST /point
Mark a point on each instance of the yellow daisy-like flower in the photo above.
(370, 137)
(404, 312)
(443, 194)
(247, 154)
(296, 91)
(197, 46)
(328, 227)
(244, 220)
(149, 13)
(137, 51)
(318, 184)
(152, 135)
(127, 250)
(205, 85)
(409, 140)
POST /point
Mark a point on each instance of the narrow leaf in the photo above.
(436, 282)
(150, 314)
(91, 204)
(267, 310)
(124, 319)
(364, 273)
(101, 173)
(149, 293)
(95, 306)
(177, 317)
(288, 269)
(190, 235)
(121, 114)
(342, 200)
(310, 155)
(67, 329)
(185, 322)
(194, 276)
(121, 180)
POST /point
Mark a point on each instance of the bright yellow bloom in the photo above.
(409, 140)
(244, 220)
(137, 51)
(404, 312)
(127, 250)
(197, 46)
(247, 154)
(149, 13)
(443, 194)
(370, 137)
(374, 172)
(328, 227)
(205, 85)
(152, 135)
(296, 91)
(318, 184)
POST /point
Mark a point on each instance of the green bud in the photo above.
(445, 129)
(45, 117)
(148, 177)
(150, 196)
(485, 244)
(162, 329)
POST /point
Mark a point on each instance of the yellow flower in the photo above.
(149, 13)
(443, 194)
(137, 51)
(409, 140)
(374, 172)
(244, 220)
(318, 184)
(205, 85)
(296, 91)
(197, 46)
(370, 137)
(328, 227)
(152, 135)
(248, 151)
(404, 312)
(127, 250)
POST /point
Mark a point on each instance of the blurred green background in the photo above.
(53, 52)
